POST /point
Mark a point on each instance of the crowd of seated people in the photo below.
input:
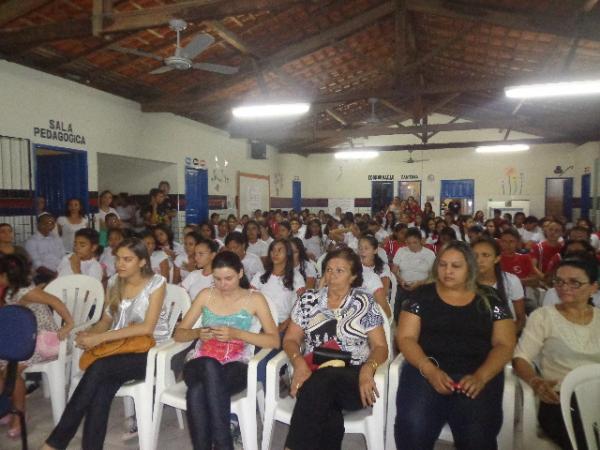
(458, 310)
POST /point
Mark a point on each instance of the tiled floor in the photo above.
(171, 437)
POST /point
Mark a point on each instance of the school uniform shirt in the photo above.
(543, 252)
(107, 261)
(513, 290)
(181, 262)
(351, 241)
(315, 245)
(69, 230)
(156, 258)
(252, 265)
(259, 248)
(196, 281)
(45, 251)
(518, 264)
(391, 247)
(371, 282)
(536, 235)
(281, 300)
(91, 268)
(101, 215)
(386, 272)
(310, 269)
(414, 266)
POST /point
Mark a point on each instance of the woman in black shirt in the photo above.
(456, 337)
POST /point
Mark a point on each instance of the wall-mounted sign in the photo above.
(60, 131)
(409, 177)
(195, 163)
(381, 177)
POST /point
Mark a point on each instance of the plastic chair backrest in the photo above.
(178, 302)
(80, 293)
(18, 332)
(584, 382)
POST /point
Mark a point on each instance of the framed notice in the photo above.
(254, 192)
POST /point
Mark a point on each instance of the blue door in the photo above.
(60, 174)
(196, 195)
(297, 195)
(586, 181)
(559, 197)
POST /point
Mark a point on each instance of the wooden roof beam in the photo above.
(13, 9)
(270, 134)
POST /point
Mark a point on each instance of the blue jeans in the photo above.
(210, 387)
(422, 413)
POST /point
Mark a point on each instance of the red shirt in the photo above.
(543, 252)
(391, 247)
(518, 264)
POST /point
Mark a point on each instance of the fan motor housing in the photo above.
(178, 62)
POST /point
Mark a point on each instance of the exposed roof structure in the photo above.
(367, 66)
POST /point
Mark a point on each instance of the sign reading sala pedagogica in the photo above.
(59, 131)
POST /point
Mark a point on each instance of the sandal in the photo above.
(14, 433)
(6, 419)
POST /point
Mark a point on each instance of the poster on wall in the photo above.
(346, 204)
(253, 193)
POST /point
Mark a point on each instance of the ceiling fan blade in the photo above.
(218, 68)
(197, 45)
(136, 52)
(160, 70)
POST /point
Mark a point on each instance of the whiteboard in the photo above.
(346, 204)
(253, 193)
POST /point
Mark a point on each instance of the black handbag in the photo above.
(323, 354)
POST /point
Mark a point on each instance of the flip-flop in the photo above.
(6, 419)
(14, 433)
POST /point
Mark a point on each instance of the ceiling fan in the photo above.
(410, 159)
(183, 57)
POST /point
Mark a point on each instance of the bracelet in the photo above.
(374, 364)
(427, 358)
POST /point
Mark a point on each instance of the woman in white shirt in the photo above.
(134, 307)
(558, 339)
(508, 285)
(72, 221)
(104, 201)
(184, 263)
(255, 244)
(159, 261)
(280, 283)
(372, 263)
(303, 264)
(314, 241)
(201, 278)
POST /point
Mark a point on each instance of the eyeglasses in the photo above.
(573, 284)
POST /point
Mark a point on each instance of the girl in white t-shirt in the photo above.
(83, 259)
(73, 221)
(303, 264)
(256, 245)
(280, 283)
(372, 262)
(509, 287)
(314, 241)
(201, 278)
(184, 263)
(159, 261)
(107, 259)
(165, 242)
(104, 201)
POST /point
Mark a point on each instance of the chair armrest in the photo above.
(252, 370)
(164, 355)
(529, 412)
(273, 368)
(151, 361)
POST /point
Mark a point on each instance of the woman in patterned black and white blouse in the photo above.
(344, 317)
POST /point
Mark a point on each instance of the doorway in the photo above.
(586, 203)
(559, 197)
(196, 195)
(457, 196)
(409, 189)
(382, 193)
(60, 174)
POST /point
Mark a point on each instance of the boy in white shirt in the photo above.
(83, 259)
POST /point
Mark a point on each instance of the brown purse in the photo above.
(134, 344)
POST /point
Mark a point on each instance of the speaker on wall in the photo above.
(258, 150)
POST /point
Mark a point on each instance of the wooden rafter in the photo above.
(13, 9)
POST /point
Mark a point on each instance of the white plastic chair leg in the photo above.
(129, 406)
(143, 407)
(45, 385)
(179, 418)
(248, 431)
(56, 390)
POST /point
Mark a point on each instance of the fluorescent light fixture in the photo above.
(562, 89)
(357, 154)
(505, 148)
(272, 110)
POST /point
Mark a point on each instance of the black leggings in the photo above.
(92, 399)
(317, 421)
(210, 387)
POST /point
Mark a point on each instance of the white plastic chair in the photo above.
(393, 291)
(142, 392)
(79, 293)
(506, 435)
(369, 422)
(169, 392)
(584, 383)
(533, 436)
